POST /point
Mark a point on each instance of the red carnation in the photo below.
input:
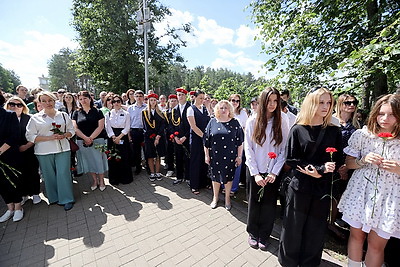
(272, 155)
(171, 137)
(330, 150)
(176, 133)
(58, 126)
(53, 123)
(385, 135)
(107, 152)
(152, 136)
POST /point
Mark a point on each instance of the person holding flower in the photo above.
(264, 142)
(154, 124)
(371, 201)
(223, 148)
(88, 122)
(308, 195)
(117, 123)
(29, 167)
(9, 154)
(49, 130)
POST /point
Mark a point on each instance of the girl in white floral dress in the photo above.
(371, 202)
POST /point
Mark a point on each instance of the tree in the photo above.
(310, 39)
(9, 80)
(111, 51)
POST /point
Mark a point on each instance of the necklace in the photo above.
(152, 125)
(175, 122)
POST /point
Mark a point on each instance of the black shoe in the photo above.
(177, 181)
(68, 206)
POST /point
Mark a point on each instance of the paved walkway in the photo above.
(140, 224)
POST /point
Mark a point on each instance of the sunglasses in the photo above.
(116, 101)
(235, 101)
(348, 103)
(18, 105)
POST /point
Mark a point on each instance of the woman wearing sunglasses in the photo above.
(241, 116)
(30, 179)
(118, 126)
(89, 124)
(346, 112)
(9, 155)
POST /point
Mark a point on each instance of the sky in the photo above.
(223, 36)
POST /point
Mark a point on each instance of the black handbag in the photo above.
(288, 175)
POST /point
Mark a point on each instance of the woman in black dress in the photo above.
(223, 147)
(154, 125)
(307, 208)
(198, 118)
(117, 123)
(30, 178)
(9, 138)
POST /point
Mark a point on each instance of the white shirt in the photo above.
(40, 124)
(117, 119)
(242, 117)
(181, 107)
(257, 156)
(190, 111)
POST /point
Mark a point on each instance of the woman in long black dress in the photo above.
(306, 214)
(29, 167)
(117, 123)
(198, 118)
(223, 147)
(9, 137)
(154, 125)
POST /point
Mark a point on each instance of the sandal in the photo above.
(195, 191)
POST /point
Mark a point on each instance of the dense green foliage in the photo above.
(111, 51)
(63, 73)
(8, 80)
(346, 44)
(220, 83)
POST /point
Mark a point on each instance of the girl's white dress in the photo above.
(357, 201)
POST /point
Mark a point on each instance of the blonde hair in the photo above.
(340, 101)
(25, 109)
(46, 93)
(230, 108)
(310, 106)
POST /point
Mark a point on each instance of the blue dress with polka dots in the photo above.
(223, 139)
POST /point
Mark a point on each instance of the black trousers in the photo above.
(182, 160)
(303, 229)
(261, 215)
(198, 167)
(169, 157)
(30, 178)
(137, 140)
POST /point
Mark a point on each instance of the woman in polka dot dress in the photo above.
(371, 202)
(265, 133)
(223, 149)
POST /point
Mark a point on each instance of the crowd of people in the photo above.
(329, 167)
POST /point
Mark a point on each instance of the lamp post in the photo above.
(143, 18)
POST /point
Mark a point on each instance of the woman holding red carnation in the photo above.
(154, 124)
(265, 139)
(371, 202)
(117, 124)
(308, 194)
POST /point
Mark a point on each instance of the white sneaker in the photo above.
(169, 173)
(36, 199)
(24, 199)
(18, 215)
(7, 215)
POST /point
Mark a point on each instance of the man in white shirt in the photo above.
(136, 132)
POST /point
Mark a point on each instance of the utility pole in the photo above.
(144, 26)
